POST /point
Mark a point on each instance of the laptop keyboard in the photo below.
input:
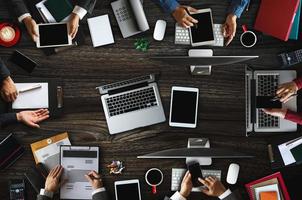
(267, 86)
(132, 101)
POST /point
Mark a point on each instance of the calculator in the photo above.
(17, 189)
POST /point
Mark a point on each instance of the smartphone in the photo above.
(195, 171)
(17, 190)
(23, 61)
(267, 102)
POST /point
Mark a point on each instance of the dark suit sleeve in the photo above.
(42, 197)
(18, 6)
(233, 196)
(87, 4)
(8, 118)
(100, 196)
(4, 72)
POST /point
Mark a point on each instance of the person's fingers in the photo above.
(191, 9)
(55, 170)
(267, 111)
(280, 89)
(38, 112)
(188, 23)
(74, 33)
(209, 181)
(204, 182)
(89, 178)
(52, 171)
(185, 178)
(43, 112)
(59, 174)
(191, 19)
(205, 191)
(58, 171)
(212, 178)
(228, 41)
(286, 97)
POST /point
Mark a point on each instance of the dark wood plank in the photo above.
(221, 115)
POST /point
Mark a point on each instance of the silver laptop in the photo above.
(131, 104)
(265, 83)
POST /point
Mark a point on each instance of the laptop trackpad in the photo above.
(267, 102)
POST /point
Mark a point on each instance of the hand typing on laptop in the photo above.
(53, 183)
(286, 91)
(229, 28)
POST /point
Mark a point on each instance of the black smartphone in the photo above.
(23, 61)
(267, 102)
(17, 190)
(195, 171)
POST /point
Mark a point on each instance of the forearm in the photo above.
(8, 118)
(168, 5)
(294, 117)
(237, 7)
(100, 194)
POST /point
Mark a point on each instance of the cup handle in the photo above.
(154, 189)
(244, 28)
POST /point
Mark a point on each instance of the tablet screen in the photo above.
(203, 30)
(127, 191)
(184, 107)
(55, 34)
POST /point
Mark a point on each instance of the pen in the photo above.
(248, 5)
(276, 98)
(34, 87)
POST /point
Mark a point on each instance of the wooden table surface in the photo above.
(221, 114)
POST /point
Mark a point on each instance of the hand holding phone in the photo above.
(195, 171)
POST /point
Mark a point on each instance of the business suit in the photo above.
(5, 118)
(97, 196)
(20, 8)
(231, 196)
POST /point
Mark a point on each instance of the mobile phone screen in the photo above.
(195, 172)
(23, 61)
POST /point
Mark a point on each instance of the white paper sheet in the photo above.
(268, 188)
(33, 99)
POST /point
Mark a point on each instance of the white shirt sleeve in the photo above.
(102, 189)
(225, 194)
(177, 196)
(46, 193)
(20, 19)
(79, 11)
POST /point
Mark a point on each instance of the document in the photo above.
(33, 99)
(285, 150)
(47, 151)
(268, 188)
(78, 161)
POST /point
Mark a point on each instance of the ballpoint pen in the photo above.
(34, 87)
(276, 98)
(248, 5)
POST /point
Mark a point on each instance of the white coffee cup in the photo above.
(248, 39)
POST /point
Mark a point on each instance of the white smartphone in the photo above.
(202, 33)
(53, 35)
(126, 190)
(183, 107)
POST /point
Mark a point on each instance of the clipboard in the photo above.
(55, 95)
(43, 144)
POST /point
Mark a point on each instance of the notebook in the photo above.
(275, 17)
(268, 188)
(295, 28)
(100, 30)
(59, 9)
(297, 153)
(282, 186)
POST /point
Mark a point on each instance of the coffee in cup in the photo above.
(248, 38)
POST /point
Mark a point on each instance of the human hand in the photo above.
(32, 118)
(229, 28)
(9, 91)
(52, 183)
(182, 16)
(73, 24)
(186, 185)
(32, 28)
(277, 112)
(94, 179)
(286, 90)
(213, 187)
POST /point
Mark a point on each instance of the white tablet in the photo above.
(202, 32)
(127, 190)
(183, 107)
(53, 35)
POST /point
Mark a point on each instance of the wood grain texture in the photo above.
(221, 115)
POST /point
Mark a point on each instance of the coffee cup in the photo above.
(154, 177)
(248, 38)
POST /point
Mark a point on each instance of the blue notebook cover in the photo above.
(295, 27)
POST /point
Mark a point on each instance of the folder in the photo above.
(59, 9)
(295, 28)
(282, 186)
(47, 151)
(275, 17)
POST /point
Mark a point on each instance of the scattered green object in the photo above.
(142, 44)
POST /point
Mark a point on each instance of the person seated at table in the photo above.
(213, 188)
(9, 93)
(53, 183)
(285, 92)
(79, 11)
(181, 15)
